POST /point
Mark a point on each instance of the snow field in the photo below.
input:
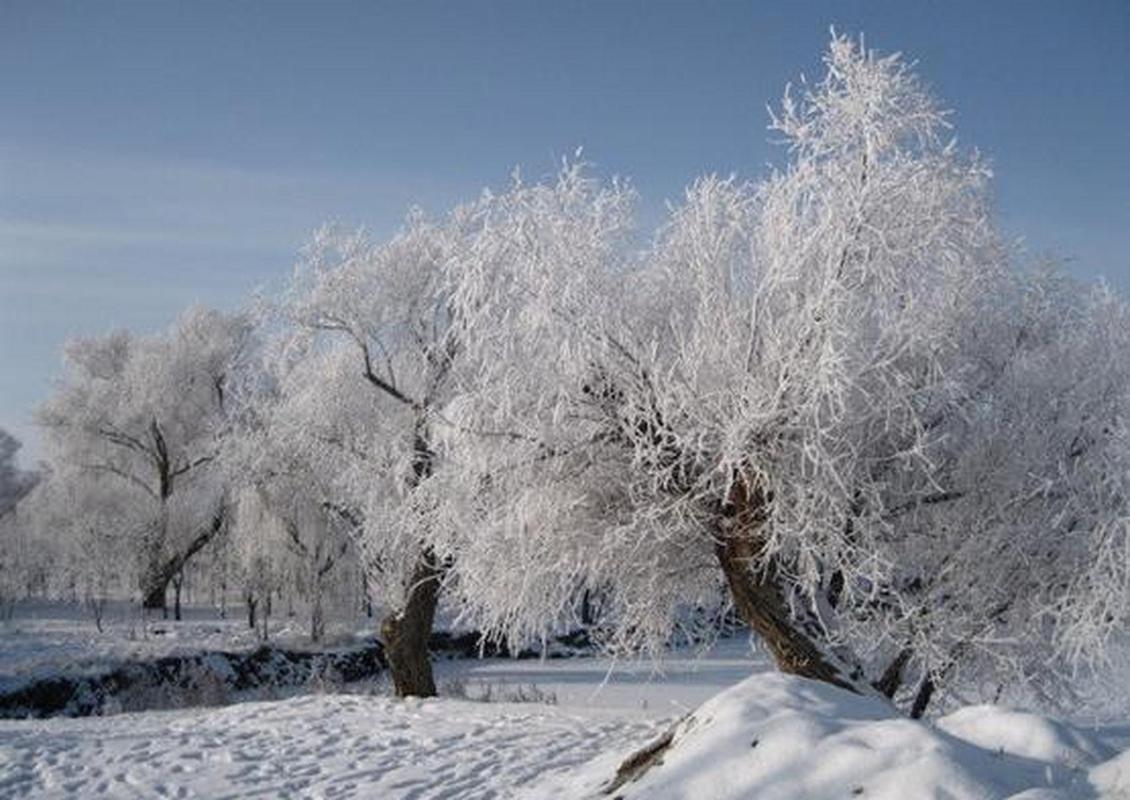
(364, 746)
(318, 746)
(769, 736)
(736, 736)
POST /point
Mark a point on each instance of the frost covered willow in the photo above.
(372, 357)
(14, 482)
(303, 429)
(78, 539)
(826, 399)
(366, 355)
(142, 417)
(1022, 576)
(375, 356)
(792, 397)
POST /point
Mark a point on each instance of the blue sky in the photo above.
(155, 154)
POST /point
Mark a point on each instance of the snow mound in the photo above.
(1024, 734)
(778, 736)
(1112, 779)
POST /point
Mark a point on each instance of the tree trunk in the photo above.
(366, 598)
(317, 617)
(922, 698)
(588, 615)
(98, 608)
(757, 595)
(406, 633)
(891, 680)
(252, 603)
(155, 581)
(265, 634)
(154, 597)
(155, 584)
(178, 584)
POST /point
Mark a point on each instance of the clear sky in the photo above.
(155, 154)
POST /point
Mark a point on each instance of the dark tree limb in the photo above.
(891, 678)
(756, 592)
(157, 583)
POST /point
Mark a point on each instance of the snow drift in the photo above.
(779, 736)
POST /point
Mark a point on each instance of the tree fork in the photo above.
(156, 586)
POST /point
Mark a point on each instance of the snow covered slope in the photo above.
(777, 736)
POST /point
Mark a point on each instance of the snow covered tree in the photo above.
(1019, 577)
(375, 358)
(258, 548)
(14, 482)
(286, 547)
(792, 398)
(294, 511)
(18, 559)
(365, 363)
(80, 536)
(142, 417)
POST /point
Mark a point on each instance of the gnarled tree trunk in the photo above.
(156, 582)
(406, 632)
(155, 597)
(756, 592)
(156, 577)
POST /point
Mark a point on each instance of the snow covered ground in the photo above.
(315, 746)
(734, 736)
(770, 736)
(374, 746)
